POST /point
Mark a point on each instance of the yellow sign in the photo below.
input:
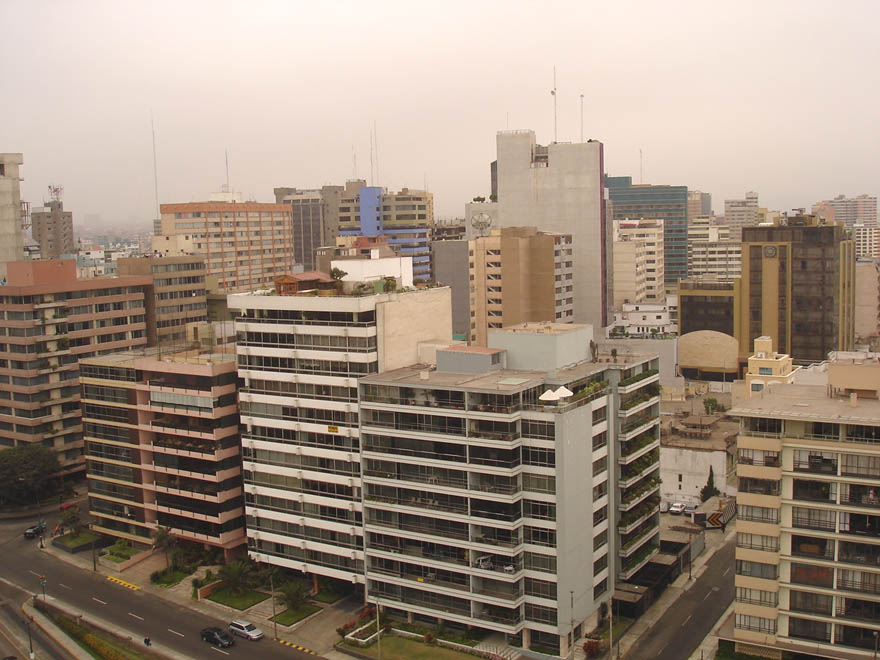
(333, 429)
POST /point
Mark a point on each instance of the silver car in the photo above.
(245, 629)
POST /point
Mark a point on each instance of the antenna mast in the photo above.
(158, 222)
(371, 156)
(376, 140)
(226, 151)
(553, 94)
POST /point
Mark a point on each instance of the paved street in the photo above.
(682, 628)
(139, 613)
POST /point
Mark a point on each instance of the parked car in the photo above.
(689, 510)
(245, 629)
(33, 531)
(664, 506)
(69, 505)
(676, 508)
(217, 637)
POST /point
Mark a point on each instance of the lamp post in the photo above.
(571, 639)
(272, 591)
(378, 632)
(31, 640)
(875, 644)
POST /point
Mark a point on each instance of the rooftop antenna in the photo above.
(226, 151)
(376, 141)
(582, 117)
(371, 156)
(157, 223)
(553, 94)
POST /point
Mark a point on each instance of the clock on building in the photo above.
(769, 250)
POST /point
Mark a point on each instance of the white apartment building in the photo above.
(739, 213)
(808, 530)
(300, 357)
(11, 235)
(711, 252)
(865, 237)
(560, 188)
(507, 484)
(639, 272)
(643, 320)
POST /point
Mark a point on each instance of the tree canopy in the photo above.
(25, 471)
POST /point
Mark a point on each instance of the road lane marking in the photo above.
(123, 583)
(176, 633)
(726, 572)
(219, 651)
(98, 600)
(686, 620)
(707, 595)
(139, 618)
(32, 573)
(63, 585)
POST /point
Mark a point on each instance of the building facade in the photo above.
(559, 188)
(516, 275)
(848, 210)
(179, 294)
(699, 204)
(739, 213)
(711, 252)
(246, 245)
(867, 306)
(162, 446)
(708, 305)
(798, 287)
(808, 547)
(300, 357)
(666, 203)
(52, 228)
(49, 321)
(11, 235)
(865, 237)
(307, 222)
(452, 269)
(639, 271)
(508, 489)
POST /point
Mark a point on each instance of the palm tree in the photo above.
(163, 540)
(291, 595)
(238, 575)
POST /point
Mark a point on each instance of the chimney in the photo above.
(853, 399)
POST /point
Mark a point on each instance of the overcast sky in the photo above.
(779, 97)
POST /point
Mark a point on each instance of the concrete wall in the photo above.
(544, 351)
(565, 196)
(407, 319)
(369, 270)
(451, 269)
(693, 466)
(867, 295)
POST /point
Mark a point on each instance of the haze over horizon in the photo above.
(721, 98)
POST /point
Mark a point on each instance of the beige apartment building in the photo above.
(517, 275)
(808, 534)
(639, 271)
(162, 445)
(245, 244)
(867, 305)
(865, 237)
(739, 213)
(11, 235)
(711, 252)
(52, 228)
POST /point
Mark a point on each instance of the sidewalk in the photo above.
(316, 632)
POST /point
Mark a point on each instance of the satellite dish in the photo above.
(481, 222)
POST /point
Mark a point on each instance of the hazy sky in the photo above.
(779, 97)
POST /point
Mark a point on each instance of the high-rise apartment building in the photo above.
(52, 228)
(452, 268)
(510, 487)
(300, 357)
(559, 188)
(245, 244)
(179, 294)
(867, 306)
(652, 202)
(11, 236)
(848, 210)
(808, 531)
(699, 204)
(739, 213)
(639, 268)
(798, 287)
(162, 446)
(307, 222)
(518, 274)
(865, 237)
(711, 252)
(49, 321)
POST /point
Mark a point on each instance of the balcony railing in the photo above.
(823, 466)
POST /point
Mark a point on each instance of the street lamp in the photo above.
(875, 645)
(31, 640)
(272, 591)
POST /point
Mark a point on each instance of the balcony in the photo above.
(640, 514)
(642, 467)
(816, 465)
(635, 382)
(632, 565)
(498, 615)
(631, 498)
(632, 545)
(859, 610)
(438, 578)
(428, 551)
(634, 449)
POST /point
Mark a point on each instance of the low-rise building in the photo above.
(644, 320)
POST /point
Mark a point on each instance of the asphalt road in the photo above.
(142, 614)
(682, 628)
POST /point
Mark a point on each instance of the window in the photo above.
(757, 597)
(755, 623)
(756, 569)
(757, 542)
(757, 513)
(765, 371)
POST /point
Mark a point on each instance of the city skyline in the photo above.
(721, 102)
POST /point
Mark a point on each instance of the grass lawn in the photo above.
(240, 601)
(72, 541)
(169, 578)
(726, 652)
(620, 624)
(288, 617)
(398, 648)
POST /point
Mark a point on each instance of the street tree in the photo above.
(25, 471)
(165, 541)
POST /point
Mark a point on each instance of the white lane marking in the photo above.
(98, 600)
(219, 651)
(139, 618)
(176, 633)
(707, 595)
(686, 620)
(726, 572)
(32, 573)
(64, 585)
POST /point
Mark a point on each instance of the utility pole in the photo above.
(571, 623)
(378, 631)
(31, 639)
(272, 591)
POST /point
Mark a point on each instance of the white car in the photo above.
(245, 629)
(677, 508)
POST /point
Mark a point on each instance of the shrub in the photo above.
(592, 647)
(429, 638)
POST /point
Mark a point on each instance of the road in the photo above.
(682, 628)
(141, 613)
